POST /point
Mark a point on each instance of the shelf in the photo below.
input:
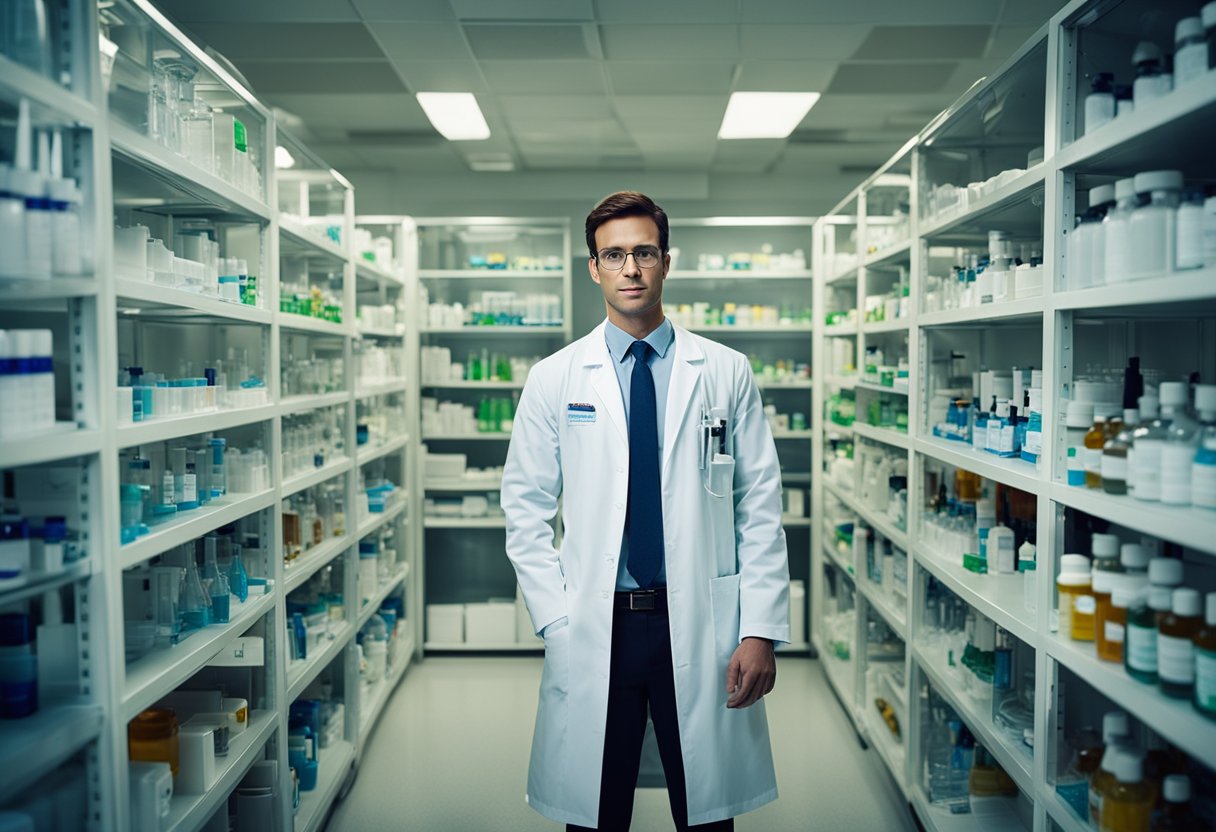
(145, 299)
(1181, 288)
(892, 752)
(313, 401)
(369, 607)
(880, 327)
(162, 428)
(888, 256)
(1016, 762)
(296, 241)
(881, 525)
(188, 525)
(31, 585)
(793, 434)
(841, 276)
(1196, 527)
(839, 674)
(315, 326)
(488, 436)
(484, 484)
(308, 479)
(492, 274)
(1147, 138)
(16, 293)
(161, 671)
(846, 330)
(50, 103)
(737, 275)
(473, 385)
(1061, 812)
(375, 273)
(494, 331)
(999, 815)
(1014, 472)
(183, 177)
(464, 522)
(798, 477)
(64, 441)
(789, 521)
(888, 436)
(784, 385)
(386, 388)
(304, 566)
(37, 744)
(878, 388)
(1022, 311)
(191, 811)
(333, 767)
(301, 673)
(366, 453)
(370, 707)
(375, 521)
(1010, 194)
(880, 601)
(842, 382)
(440, 647)
(779, 329)
(1000, 597)
(379, 332)
(1174, 719)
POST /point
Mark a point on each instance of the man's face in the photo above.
(632, 290)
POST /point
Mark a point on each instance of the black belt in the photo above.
(642, 600)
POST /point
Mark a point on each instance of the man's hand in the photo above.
(751, 674)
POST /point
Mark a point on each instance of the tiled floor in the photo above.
(450, 754)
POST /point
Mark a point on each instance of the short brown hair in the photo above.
(626, 204)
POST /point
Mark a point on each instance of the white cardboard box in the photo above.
(445, 623)
(490, 623)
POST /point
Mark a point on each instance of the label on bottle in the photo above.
(1175, 660)
(1148, 468)
(1099, 109)
(1092, 458)
(1205, 679)
(1113, 632)
(1085, 605)
(1190, 62)
(1114, 468)
(1034, 441)
(1203, 484)
(1176, 458)
(1141, 648)
(189, 489)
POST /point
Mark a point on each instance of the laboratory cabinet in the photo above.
(207, 560)
(1008, 528)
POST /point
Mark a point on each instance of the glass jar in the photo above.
(152, 737)
(1076, 598)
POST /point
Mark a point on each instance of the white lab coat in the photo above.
(727, 571)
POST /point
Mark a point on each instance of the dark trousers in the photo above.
(641, 676)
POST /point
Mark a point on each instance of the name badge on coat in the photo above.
(580, 413)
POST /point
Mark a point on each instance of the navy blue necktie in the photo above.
(644, 517)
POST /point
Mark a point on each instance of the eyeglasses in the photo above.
(613, 259)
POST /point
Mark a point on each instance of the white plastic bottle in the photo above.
(12, 227)
(1188, 251)
(1190, 51)
(1114, 232)
(42, 377)
(1100, 103)
(25, 182)
(64, 197)
(1152, 81)
(1203, 466)
(1101, 202)
(1153, 225)
(1177, 457)
(1150, 439)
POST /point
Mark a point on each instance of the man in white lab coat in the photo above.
(670, 585)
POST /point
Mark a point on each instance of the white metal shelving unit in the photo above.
(1041, 88)
(465, 557)
(127, 177)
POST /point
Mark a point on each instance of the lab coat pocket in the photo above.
(722, 475)
(556, 676)
(724, 605)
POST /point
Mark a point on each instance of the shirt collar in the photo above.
(619, 341)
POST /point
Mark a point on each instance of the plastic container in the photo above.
(153, 737)
(1117, 255)
(1152, 81)
(1101, 201)
(1188, 251)
(1190, 51)
(1077, 421)
(1076, 598)
(1100, 103)
(1152, 228)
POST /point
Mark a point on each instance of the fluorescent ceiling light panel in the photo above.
(764, 115)
(455, 115)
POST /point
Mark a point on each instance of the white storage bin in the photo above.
(490, 623)
(445, 623)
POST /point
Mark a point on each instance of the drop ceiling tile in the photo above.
(442, 76)
(785, 76)
(696, 142)
(669, 11)
(869, 11)
(422, 41)
(880, 79)
(440, 158)
(314, 77)
(800, 41)
(559, 77)
(522, 108)
(396, 10)
(604, 132)
(872, 111)
(523, 9)
(683, 159)
(241, 11)
(920, 43)
(639, 78)
(355, 110)
(301, 41)
(686, 42)
(679, 111)
(527, 42)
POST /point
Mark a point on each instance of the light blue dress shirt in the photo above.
(662, 339)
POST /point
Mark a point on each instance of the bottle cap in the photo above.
(1158, 180)
(1205, 398)
(1208, 15)
(54, 529)
(1186, 602)
(1128, 766)
(1105, 545)
(1114, 724)
(1172, 394)
(1123, 595)
(1165, 572)
(1102, 194)
(1104, 581)
(1188, 27)
(1125, 189)
(1146, 50)
(1079, 414)
(1160, 598)
(1177, 787)
(1074, 570)
(1133, 556)
(15, 629)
